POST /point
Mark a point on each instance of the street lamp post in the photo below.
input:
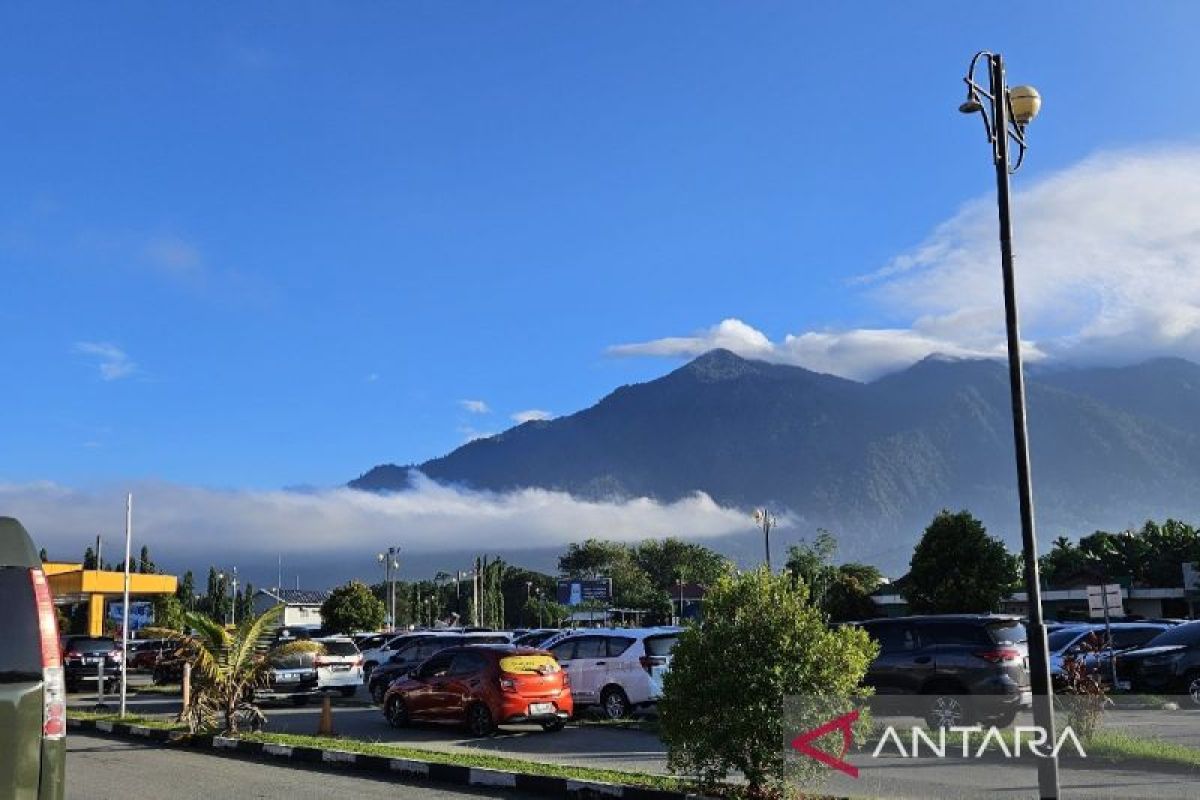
(1011, 110)
(391, 562)
(765, 520)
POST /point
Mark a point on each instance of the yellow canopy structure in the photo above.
(71, 583)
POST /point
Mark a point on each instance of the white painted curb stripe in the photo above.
(225, 742)
(102, 725)
(337, 757)
(278, 750)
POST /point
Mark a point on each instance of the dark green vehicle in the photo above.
(33, 700)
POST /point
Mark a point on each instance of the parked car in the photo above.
(371, 641)
(340, 666)
(482, 686)
(83, 656)
(617, 669)
(534, 638)
(145, 655)
(1071, 642)
(33, 699)
(293, 677)
(415, 649)
(942, 659)
(1168, 663)
(374, 656)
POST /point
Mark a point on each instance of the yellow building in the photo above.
(71, 584)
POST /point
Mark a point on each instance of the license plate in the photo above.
(340, 667)
(541, 708)
(287, 677)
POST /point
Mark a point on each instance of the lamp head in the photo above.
(1025, 103)
(971, 104)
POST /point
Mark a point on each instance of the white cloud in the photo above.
(470, 434)
(1108, 268)
(197, 526)
(475, 406)
(113, 361)
(531, 415)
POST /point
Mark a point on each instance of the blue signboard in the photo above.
(141, 614)
(573, 592)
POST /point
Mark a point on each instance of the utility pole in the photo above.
(125, 609)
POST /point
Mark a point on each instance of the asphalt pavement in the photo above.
(110, 769)
(633, 750)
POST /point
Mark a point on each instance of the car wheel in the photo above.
(614, 704)
(1193, 687)
(377, 692)
(945, 711)
(368, 668)
(554, 725)
(396, 713)
(348, 691)
(479, 720)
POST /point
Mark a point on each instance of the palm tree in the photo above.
(227, 666)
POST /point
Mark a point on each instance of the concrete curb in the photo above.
(380, 766)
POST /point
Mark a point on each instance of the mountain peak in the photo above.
(719, 365)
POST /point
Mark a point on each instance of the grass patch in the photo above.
(1119, 746)
(479, 760)
(156, 689)
(128, 719)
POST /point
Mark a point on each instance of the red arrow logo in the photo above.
(802, 743)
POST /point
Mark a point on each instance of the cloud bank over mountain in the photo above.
(1108, 269)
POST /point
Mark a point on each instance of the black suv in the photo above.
(943, 659)
(1170, 662)
(33, 701)
(83, 657)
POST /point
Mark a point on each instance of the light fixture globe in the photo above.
(1025, 103)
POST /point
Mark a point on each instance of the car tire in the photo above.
(368, 668)
(348, 691)
(378, 691)
(945, 710)
(614, 703)
(554, 725)
(479, 720)
(1191, 686)
(396, 713)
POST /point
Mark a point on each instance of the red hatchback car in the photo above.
(482, 686)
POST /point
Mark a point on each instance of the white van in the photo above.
(617, 669)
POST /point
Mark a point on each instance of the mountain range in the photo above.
(872, 462)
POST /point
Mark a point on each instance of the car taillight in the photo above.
(648, 662)
(1000, 655)
(54, 692)
(320, 662)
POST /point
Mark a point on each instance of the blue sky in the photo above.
(261, 248)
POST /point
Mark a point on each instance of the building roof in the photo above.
(297, 597)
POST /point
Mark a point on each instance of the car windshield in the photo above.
(1062, 639)
(1184, 634)
(20, 646)
(340, 648)
(91, 645)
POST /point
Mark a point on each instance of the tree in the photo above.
(43, 555)
(226, 668)
(168, 612)
(761, 641)
(186, 591)
(144, 563)
(592, 559)
(89, 559)
(216, 599)
(351, 608)
(668, 560)
(811, 564)
(958, 567)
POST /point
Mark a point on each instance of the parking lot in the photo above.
(605, 746)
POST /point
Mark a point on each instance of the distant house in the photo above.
(301, 607)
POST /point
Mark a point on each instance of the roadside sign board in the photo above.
(1105, 601)
(573, 592)
(141, 613)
